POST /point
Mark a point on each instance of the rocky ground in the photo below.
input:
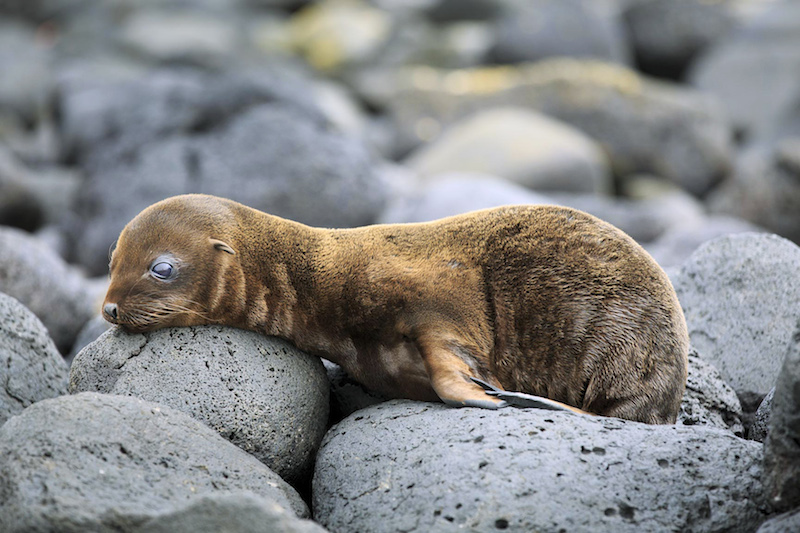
(676, 120)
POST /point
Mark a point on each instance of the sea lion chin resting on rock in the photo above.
(542, 300)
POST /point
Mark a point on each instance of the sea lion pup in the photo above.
(540, 300)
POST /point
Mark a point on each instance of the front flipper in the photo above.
(520, 399)
(452, 379)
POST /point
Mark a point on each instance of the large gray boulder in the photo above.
(415, 466)
(271, 157)
(709, 400)
(260, 393)
(96, 462)
(31, 369)
(521, 146)
(767, 48)
(644, 126)
(538, 29)
(235, 512)
(765, 189)
(62, 298)
(782, 447)
(740, 294)
(668, 35)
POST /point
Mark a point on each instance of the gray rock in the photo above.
(767, 48)
(413, 466)
(26, 84)
(782, 523)
(782, 447)
(90, 333)
(260, 393)
(329, 180)
(96, 462)
(765, 189)
(667, 35)
(518, 145)
(188, 36)
(644, 126)
(230, 513)
(760, 428)
(708, 400)
(35, 197)
(270, 157)
(31, 369)
(677, 243)
(106, 115)
(347, 395)
(538, 29)
(453, 194)
(738, 293)
(62, 298)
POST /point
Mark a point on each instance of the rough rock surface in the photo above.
(709, 400)
(760, 428)
(229, 513)
(415, 466)
(31, 369)
(521, 146)
(782, 523)
(97, 462)
(737, 293)
(90, 332)
(782, 447)
(260, 393)
(36, 276)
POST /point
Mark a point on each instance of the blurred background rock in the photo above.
(677, 120)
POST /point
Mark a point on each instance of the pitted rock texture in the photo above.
(709, 400)
(31, 369)
(784, 523)
(237, 512)
(760, 428)
(782, 447)
(103, 463)
(738, 294)
(260, 393)
(412, 466)
(56, 293)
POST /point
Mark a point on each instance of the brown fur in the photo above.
(539, 299)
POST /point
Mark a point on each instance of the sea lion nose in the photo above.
(110, 310)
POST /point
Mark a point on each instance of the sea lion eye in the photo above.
(162, 270)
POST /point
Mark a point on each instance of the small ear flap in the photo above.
(219, 245)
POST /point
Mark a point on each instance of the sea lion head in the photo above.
(175, 264)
